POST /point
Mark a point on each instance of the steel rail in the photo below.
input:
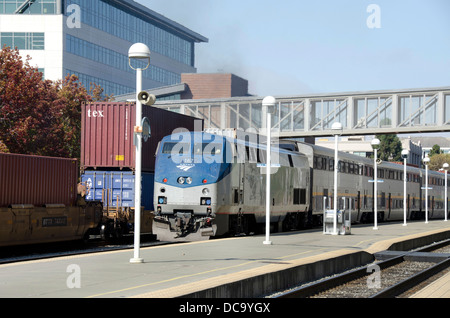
(392, 291)
(412, 281)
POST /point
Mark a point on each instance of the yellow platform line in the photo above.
(196, 274)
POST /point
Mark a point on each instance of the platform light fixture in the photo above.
(405, 154)
(337, 131)
(426, 162)
(138, 52)
(269, 104)
(375, 146)
(445, 167)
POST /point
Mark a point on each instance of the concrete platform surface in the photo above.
(182, 269)
(438, 289)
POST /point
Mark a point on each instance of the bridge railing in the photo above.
(360, 113)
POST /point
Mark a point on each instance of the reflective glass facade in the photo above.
(108, 86)
(119, 61)
(73, 39)
(107, 17)
(28, 7)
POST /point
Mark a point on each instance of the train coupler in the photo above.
(183, 228)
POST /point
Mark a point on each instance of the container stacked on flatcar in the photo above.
(108, 159)
(36, 180)
(38, 201)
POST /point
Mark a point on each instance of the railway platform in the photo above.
(241, 267)
(440, 288)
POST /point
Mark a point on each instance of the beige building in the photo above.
(356, 145)
(361, 146)
(427, 143)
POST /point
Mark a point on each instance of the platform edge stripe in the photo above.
(186, 289)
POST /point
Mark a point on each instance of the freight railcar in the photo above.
(40, 201)
(108, 160)
(209, 185)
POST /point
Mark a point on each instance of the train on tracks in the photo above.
(45, 199)
(42, 202)
(214, 184)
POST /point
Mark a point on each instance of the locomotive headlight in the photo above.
(162, 200)
(205, 201)
(205, 191)
(181, 180)
(188, 180)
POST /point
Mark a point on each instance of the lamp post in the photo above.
(269, 104)
(375, 146)
(426, 161)
(445, 166)
(337, 128)
(405, 153)
(138, 51)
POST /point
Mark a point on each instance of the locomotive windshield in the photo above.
(207, 149)
(197, 148)
(173, 148)
(201, 149)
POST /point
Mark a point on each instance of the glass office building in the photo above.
(91, 38)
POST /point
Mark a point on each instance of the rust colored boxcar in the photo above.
(37, 181)
(107, 134)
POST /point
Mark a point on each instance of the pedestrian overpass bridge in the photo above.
(360, 113)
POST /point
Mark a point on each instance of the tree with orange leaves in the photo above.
(38, 116)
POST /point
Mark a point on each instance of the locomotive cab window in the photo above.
(173, 148)
(207, 149)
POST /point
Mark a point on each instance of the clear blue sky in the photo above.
(292, 47)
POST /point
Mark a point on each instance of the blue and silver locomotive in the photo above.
(211, 185)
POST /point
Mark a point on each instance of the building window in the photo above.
(108, 18)
(22, 40)
(108, 86)
(28, 7)
(119, 61)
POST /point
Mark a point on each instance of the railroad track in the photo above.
(385, 279)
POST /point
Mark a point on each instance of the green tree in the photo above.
(438, 160)
(390, 148)
(436, 150)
